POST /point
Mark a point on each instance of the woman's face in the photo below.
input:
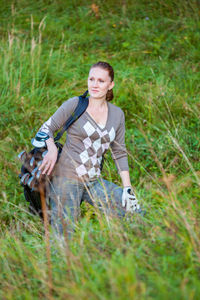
(99, 82)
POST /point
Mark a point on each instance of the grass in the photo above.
(47, 48)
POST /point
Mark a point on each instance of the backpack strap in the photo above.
(79, 110)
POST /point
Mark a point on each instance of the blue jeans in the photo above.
(66, 196)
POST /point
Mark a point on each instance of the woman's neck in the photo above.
(97, 102)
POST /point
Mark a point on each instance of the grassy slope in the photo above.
(46, 49)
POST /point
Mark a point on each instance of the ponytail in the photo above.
(109, 95)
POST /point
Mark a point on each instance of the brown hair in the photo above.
(106, 66)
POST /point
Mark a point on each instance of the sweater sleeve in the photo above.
(118, 147)
(59, 118)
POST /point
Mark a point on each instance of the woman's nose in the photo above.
(95, 83)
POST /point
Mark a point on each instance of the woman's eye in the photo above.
(91, 79)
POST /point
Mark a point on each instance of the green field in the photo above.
(46, 50)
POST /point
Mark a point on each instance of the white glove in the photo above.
(129, 200)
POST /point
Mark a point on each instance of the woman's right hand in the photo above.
(50, 158)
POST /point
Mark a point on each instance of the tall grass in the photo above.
(46, 49)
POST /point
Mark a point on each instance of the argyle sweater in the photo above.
(87, 141)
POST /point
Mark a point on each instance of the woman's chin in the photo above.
(96, 95)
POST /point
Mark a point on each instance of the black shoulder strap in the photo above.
(79, 110)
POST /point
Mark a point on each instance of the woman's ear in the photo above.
(111, 85)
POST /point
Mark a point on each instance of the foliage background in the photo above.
(46, 50)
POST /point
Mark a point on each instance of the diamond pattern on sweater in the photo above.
(89, 128)
(84, 156)
(97, 144)
(92, 172)
(91, 163)
(112, 134)
(81, 170)
(102, 133)
(105, 146)
(94, 159)
(87, 142)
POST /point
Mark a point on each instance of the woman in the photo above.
(76, 176)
